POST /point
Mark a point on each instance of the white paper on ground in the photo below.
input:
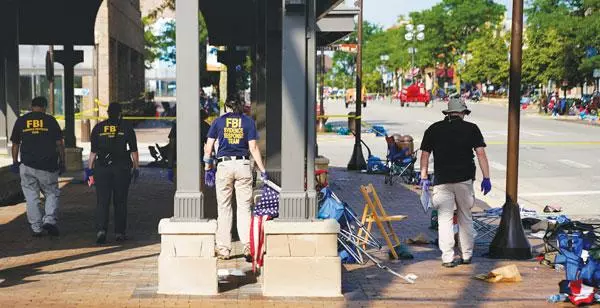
(425, 200)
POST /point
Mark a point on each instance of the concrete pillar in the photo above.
(4, 131)
(10, 108)
(260, 74)
(187, 264)
(293, 204)
(273, 91)
(69, 58)
(188, 198)
(311, 129)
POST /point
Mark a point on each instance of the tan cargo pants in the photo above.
(446, 198)
(233, 174)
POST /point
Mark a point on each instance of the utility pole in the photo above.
(510, 241)
(357, 161)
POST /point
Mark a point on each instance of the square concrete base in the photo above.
(73, 159)
(301, 259)
(187, 264)
(302, 276)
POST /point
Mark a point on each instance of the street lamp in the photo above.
(357, 160)
(384, 58)
(414, 34)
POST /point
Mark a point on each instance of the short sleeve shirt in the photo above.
(116, 138)
(233, 132)
(37, 134)
(452, 142)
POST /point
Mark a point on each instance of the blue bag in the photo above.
(330, 207)
(375, 164)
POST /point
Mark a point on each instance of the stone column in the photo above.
(260, 71)
(187, 264)
(273, 94)
(4, 130)
(69, 58)
(297, 244)
(11, 69)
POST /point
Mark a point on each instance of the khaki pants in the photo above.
(446, 198)
(233, 174)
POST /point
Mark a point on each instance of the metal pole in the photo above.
(357, 161)
(510, 241)
(51, 83)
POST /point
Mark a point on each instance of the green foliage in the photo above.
(558, 34)
(488, 60)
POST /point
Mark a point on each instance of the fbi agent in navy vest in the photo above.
(113, 164)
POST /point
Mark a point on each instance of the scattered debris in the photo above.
(509, 273)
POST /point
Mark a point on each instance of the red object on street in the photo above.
(415, 93)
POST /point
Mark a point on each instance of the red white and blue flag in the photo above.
(265, 209)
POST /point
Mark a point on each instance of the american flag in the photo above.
(265, 209)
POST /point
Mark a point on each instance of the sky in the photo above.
(385, 12)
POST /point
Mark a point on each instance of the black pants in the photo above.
(112, 182)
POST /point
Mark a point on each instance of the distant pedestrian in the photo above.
(39, 138)
(112, 165)
(452, 142)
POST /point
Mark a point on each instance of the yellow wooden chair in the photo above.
(374, 212)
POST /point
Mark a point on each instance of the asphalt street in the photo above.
(558, 161)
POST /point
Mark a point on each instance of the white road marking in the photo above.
(533, 164)
(574, 164)
(534, 134)
(561, 193)
(425, 122)
(497, 166)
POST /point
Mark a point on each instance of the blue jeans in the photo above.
(32, 182)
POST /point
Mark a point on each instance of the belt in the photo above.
(228, 158)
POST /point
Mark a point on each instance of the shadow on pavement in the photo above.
(435, 285)
(22, 257)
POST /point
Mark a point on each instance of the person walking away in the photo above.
(236, 135)
(112, 165)
(553, 105)
(39, 139)
(452, 142)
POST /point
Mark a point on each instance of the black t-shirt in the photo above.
(116, 139)
(452, 142)
(37, 133)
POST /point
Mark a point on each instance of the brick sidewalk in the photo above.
(71, 271)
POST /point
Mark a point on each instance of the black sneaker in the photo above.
(52, 229)
(101, 237)
(451, 264)
(465, 261)
(120, 237)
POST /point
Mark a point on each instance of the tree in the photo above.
(488, 59)
(451, 26)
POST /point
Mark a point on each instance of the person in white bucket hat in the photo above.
(452, 142)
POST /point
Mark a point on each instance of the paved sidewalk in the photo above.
(72, 271)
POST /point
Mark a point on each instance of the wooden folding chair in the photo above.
(374, 212)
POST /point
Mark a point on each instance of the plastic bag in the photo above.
(330, 207)
(426, 201)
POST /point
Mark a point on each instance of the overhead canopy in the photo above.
(231, 22)
(337, 24)
(57, 22)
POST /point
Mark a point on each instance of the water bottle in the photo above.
(559, 268)
(557, 298)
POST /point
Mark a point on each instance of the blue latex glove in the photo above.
(425, 184)
(135, 174)
(486, 186)
(170, 174)
(264, 177)
(88, 173)
(15, 168)
(209, 177)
